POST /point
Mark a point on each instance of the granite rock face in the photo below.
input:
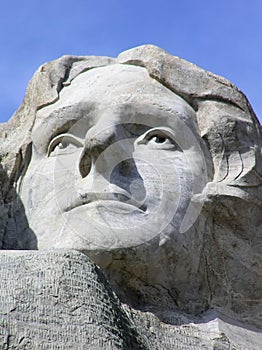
(61, 300)
(151, 167)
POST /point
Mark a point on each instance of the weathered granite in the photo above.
(61, 300)
(152, 167)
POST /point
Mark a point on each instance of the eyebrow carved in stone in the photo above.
(64, 138)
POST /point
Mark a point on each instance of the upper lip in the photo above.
(90, 197)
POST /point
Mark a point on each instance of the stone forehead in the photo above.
(116, 84)
(180, 76)
(105, 81)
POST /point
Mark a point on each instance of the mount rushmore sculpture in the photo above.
(130, 201)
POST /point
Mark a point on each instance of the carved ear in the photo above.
(234, 140)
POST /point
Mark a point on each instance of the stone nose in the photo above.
(96, 141)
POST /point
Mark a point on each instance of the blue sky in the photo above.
(222, 36)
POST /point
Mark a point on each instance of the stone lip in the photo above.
(106, 197)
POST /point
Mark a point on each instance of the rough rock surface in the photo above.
(54, 300)
(61, 300)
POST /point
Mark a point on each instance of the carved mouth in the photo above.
(91, 197)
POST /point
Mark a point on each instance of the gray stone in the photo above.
(151, 166)
(61, 300)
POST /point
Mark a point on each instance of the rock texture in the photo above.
(61, 300)
(56, 300)
(151, 167)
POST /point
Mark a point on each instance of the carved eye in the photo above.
(64, 144)
(159, 138)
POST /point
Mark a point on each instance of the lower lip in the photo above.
(110, 205)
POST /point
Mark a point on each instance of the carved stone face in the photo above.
(115, 163)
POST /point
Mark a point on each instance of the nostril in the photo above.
(85, 165)
(125, 167)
